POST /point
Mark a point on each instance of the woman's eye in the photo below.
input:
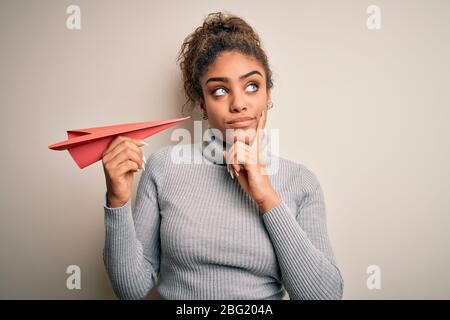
(219, 92)
(253, 87)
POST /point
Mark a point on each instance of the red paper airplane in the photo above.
(86, 146)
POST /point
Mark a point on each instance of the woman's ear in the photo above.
(202, 105)
(269, 97)
(203, 110)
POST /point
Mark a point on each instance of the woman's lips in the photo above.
(241, 124)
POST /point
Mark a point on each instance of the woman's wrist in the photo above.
(269, 202)
(112, 202)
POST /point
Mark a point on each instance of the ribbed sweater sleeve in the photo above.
(132, 247)
(302, 245)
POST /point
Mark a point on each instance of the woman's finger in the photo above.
(119, 140)
(127, 154)
(231, 169)
(231, 160)
(240, 154)
(127, 166)
(259, 130)
(249, 154)
(125, 144)
(258, 141)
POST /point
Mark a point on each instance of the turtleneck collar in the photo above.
(212, 148)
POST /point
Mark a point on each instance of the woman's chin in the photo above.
(245, 135)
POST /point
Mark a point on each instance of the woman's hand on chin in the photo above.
(245, 162)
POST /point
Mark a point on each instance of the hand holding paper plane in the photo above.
(86, 146)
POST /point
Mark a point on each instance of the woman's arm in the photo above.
(132, 251)
(302, 246)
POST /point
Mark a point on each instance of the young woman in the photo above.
(218, 229)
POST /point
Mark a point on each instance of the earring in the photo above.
(270, 106)
(205, 116)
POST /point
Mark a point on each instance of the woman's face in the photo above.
(234, 86)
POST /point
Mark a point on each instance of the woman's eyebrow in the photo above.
(223, 79)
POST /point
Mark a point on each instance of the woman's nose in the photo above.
(238, 108)
(237, 104)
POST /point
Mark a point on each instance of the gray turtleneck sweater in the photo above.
(194, 228)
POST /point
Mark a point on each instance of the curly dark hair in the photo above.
(220, 32)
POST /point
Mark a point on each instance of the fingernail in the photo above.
(143, 142)
(237, 173)
(145, 161)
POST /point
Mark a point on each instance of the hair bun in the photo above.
(218, 26)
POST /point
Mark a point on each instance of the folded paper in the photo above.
(86, 146)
